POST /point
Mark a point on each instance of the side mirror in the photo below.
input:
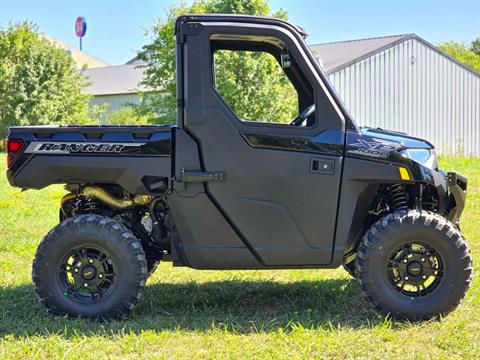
(285, 60)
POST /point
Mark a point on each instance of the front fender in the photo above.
(361, 179)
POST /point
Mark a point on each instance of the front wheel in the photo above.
(89, 266)
(413, 265)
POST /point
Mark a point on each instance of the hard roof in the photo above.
(241, 18)
(335, 55)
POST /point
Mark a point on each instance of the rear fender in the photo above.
(137, 175)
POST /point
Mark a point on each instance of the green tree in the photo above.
(247, 100)
(475, 47)
(125, 116)
(462, 53)
(38, 81)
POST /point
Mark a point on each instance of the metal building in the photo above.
(406, 84)
(116, 86)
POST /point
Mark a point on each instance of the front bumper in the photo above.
(457, 190)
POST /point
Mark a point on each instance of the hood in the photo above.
(406, 141)
(378, 143)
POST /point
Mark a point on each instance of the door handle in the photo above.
(322, 166)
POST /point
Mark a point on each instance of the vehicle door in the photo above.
(276, 150)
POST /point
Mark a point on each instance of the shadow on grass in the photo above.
(235, 306)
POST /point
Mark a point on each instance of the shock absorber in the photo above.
(399, 197)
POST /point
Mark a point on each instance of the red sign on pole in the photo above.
(80, 26)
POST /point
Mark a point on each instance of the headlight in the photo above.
(425, 157)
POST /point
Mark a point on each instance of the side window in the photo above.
(257, 88)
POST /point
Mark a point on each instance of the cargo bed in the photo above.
(134, 157)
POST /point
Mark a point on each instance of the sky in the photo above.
(116, 29)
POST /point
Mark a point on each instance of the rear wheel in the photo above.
(89, 266)
(413, 265)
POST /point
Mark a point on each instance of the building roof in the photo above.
(135, 61)
(336, 55)
(81, 58)
(111, 80)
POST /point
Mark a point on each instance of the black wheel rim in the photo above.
(415, 269)
(87, 274)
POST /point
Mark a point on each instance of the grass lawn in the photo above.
(223, 314)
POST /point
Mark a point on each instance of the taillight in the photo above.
(14, 147)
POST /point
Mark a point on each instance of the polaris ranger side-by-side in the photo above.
(218, 191)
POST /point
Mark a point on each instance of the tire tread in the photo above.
(373, 239)
(120, 233)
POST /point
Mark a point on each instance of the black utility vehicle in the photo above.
(220, 192)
